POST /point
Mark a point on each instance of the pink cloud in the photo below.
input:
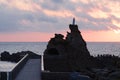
(97, 13)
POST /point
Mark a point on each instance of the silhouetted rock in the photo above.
(69, 54)
(5, 56)
(15, 57)
(109, 61)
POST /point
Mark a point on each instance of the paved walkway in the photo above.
(31, 70)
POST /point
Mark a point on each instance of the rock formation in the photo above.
(5, 56)
(16, 57)
(69, 54)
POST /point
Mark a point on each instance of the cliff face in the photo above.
(71, 53)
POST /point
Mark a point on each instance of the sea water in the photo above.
(14, 47)
(94, 48)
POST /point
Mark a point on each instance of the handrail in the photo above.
(18, 67)
(19, 62)
(10, 75)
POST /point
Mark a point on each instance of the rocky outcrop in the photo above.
(69, 54)
(15, 57)
(6, 56)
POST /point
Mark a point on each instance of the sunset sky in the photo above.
(38, 20)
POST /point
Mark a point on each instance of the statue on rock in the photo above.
(69, 54)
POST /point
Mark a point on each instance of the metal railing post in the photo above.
(7, 75)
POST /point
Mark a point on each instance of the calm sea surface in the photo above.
(39, 47)
(13, 47)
